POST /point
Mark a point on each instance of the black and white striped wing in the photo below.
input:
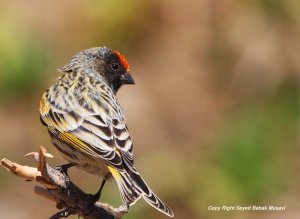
(90, 133)
(123, 141)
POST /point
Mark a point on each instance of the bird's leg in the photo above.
(66, 167)
(98, 194)
(96, 197)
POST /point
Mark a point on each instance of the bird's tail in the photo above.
(132, 187)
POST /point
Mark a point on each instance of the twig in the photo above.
(57, 186)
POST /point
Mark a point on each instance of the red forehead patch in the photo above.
(122, 59)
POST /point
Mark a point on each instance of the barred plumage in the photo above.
(87, 125)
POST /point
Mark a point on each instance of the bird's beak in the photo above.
(127, 78)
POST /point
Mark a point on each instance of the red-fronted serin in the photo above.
(87, 124)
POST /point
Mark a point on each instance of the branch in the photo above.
(57, 186)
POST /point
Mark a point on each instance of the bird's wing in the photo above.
(123, 141)
(87, 127)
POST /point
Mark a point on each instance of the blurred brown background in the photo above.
(213, 114)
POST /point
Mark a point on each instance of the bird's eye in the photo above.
(115, 66)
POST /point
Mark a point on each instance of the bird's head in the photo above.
(104, 63)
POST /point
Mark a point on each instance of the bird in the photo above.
(87, 124)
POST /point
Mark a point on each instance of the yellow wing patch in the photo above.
(75, 143)
(114, 172)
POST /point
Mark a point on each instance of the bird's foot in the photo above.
(95, 197)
